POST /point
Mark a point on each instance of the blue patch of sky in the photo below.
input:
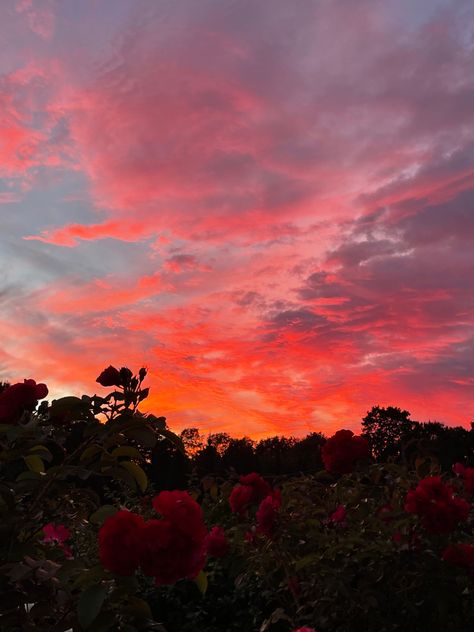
(412, 14)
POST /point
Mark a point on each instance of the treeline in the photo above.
(392, 436)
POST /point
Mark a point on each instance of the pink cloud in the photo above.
(71, 234)
(290, 192)
(40, 16)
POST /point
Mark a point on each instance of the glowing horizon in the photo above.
(270, 208)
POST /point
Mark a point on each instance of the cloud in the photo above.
(40, 16)
(275, 211)
(71, 234)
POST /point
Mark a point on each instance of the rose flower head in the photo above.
(20, 397)
(341, 452)
(120, 542)
(110, 377)
(467, 473)
(174, 547)
(180, 509)
(460, 555)
(252, 489)
(267, 514)
(217, 544)
(339, 516)
(436, 505)
(57, 534)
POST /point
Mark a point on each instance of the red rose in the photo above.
(458, 469)
(469, 480)
(267, 514)
(305, 629)
(338, 516)
(259, 485)
(240, 498)
(183, 511)
(249, 536)
(294, 586)
(460, 555)
(169, 554)
(434, 502)
(120, 541)
(110, 377)
(384, 513)
(175, 547)
(341, 451)
(252, 489)
(217, 544)
(19, 397)
(468, 475)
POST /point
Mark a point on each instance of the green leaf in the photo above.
(143, 394)
(29, 476)
(277, 615)
(127, 450)
(90, 604)
(159, 423)
(41, 450)
(93, 574)
(90, 452)
(115, 439)
(306, 561)
(7, 495)
(124, 475)
(138, 608)
(69, 408)
(138, 474)
(76, 470)
(20, 571)
(201, 582)
(101, 515)
(141, 434)
(34, 463)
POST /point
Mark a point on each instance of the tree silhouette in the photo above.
(447, 444)
(169, 467)
(3, 386)
(219, 440)
(387, 430)
(193, 440)
(240, 456)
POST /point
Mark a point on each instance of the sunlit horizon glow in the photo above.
(269, 205)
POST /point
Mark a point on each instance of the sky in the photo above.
(268, 204)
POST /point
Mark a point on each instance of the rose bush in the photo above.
(87, 542)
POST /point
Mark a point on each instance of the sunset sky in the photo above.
(270, 204)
